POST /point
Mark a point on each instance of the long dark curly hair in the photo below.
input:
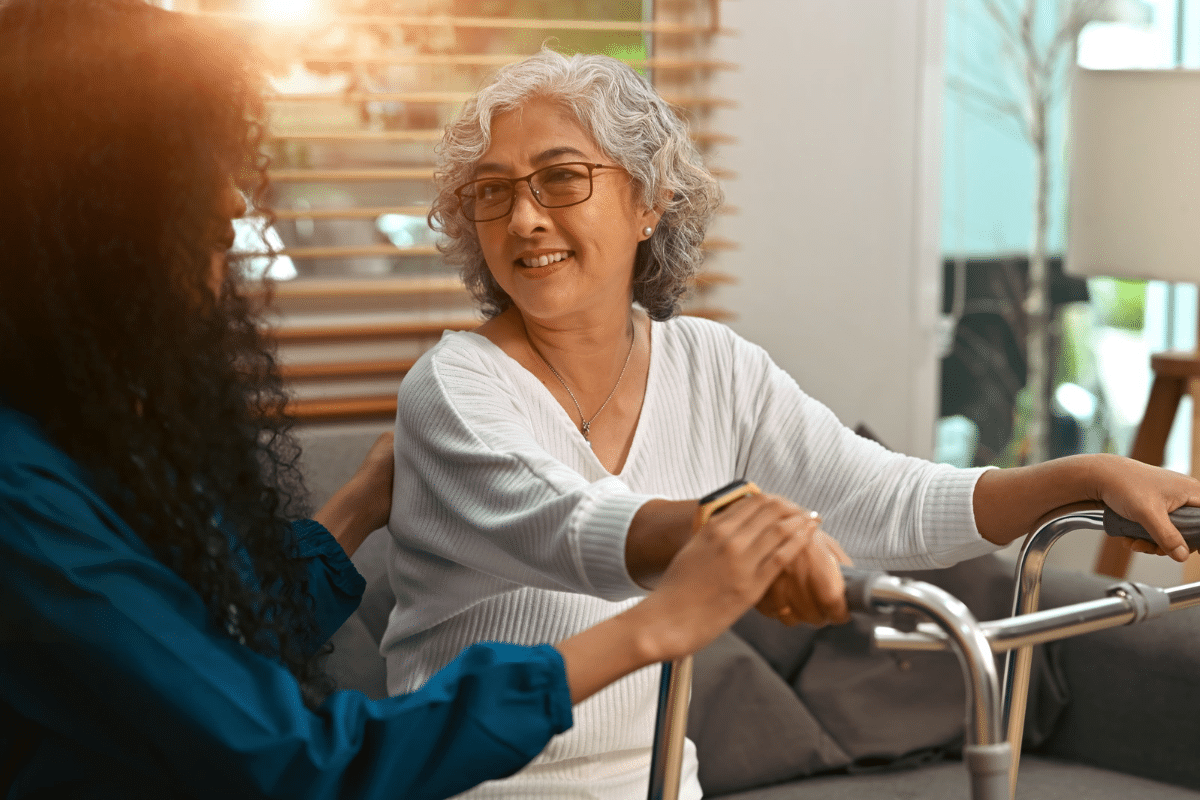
(123, 125)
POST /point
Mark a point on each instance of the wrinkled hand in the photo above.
(724, 569)
(1146, 495)
(810, 589)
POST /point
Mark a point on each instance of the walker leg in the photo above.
(1026, 595)
(670, 729)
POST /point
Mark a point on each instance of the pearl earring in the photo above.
(646, 231)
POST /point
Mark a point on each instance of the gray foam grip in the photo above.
(1186, 519)
(858, 587)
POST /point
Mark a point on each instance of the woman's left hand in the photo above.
(1146, 495)
(1010, 503)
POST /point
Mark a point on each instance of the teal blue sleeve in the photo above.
(109, 655)
(334, 584)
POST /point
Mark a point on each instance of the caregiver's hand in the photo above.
(364, 503)
(725, 568)
(714, 578)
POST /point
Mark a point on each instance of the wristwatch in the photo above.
(715, 502)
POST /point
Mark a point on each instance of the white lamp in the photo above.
(1134, 212)
(1134, 152)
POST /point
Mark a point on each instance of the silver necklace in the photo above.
(585, 425)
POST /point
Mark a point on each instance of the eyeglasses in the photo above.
(556, 186)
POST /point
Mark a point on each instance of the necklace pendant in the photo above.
(586, 428)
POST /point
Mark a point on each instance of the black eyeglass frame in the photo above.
(528, 179)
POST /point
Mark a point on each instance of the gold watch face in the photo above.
(724, 490)
(721, 499)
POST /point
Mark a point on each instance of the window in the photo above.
(360, 99)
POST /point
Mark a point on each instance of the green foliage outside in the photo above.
(1119, 303)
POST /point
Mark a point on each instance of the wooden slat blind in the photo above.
(363, 91)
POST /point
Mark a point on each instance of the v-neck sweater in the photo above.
(506, 527)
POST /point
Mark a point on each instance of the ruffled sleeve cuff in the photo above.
(334, 584)
(314, 541)
(558, 691)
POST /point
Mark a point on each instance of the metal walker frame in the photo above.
(925, 617)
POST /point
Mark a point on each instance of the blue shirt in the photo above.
(110, 668)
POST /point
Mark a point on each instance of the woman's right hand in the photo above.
(728, 566)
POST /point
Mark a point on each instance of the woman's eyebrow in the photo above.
(556, 152)
(481, 169)
(541, 158)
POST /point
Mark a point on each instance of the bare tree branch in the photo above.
(1031, 55)
(996, 102)
(1004, 113)
(1005, 24)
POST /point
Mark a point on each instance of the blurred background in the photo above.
(896, 201)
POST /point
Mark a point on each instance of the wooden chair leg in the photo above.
(1149, 446)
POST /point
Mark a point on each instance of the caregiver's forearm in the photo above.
(659, 529)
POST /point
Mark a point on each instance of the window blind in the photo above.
(361, 91)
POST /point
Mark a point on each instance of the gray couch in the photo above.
(781, 713)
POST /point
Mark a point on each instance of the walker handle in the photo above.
(1185, 518)
(859, 584)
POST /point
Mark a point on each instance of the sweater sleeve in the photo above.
(886, 509)
(110, 652)
(475, 490)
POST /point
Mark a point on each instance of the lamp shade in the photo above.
(1134, 153)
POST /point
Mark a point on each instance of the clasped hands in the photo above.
(810, 589)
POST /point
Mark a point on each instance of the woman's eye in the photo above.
(561, 176)
(491, 190)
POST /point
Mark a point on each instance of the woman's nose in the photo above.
(528, 215)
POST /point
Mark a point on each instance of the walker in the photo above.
(919, 616)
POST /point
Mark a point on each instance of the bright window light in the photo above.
(287, 10)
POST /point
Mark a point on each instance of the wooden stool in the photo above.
(1175, 373)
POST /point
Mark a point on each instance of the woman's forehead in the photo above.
(535, 134)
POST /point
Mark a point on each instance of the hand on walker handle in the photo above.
(1150, 496)
(713, 580)
(811, 588)
(1185, 519)
(727, 566)
(1146, 495)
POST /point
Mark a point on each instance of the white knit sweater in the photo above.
(505, 527)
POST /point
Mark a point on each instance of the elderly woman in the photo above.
(549, 462)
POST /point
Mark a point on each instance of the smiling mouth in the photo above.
(543, 260)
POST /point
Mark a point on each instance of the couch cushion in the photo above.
(736, 697)
(882, 706)
(1135, 690)
(1040, 778)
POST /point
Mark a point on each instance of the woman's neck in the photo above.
(586, 356)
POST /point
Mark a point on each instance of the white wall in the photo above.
(837, 182)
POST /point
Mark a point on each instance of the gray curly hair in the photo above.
(634, 127)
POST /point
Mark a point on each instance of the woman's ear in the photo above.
(649, 221)
(649, 217)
